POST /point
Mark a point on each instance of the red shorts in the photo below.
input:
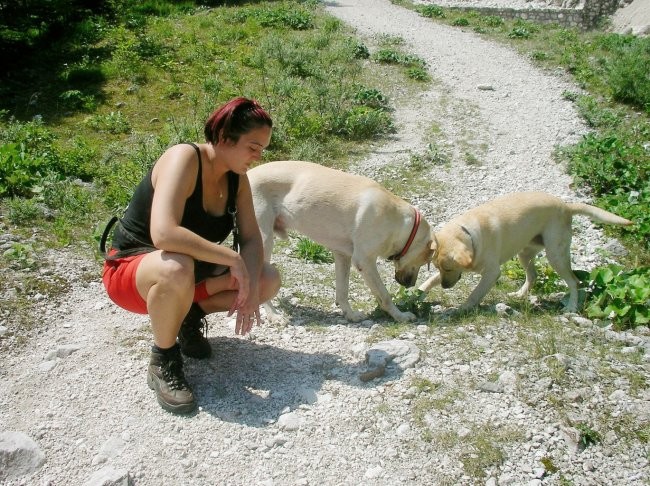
(119, 280)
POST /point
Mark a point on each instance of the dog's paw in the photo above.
(519, 294)
(271, 314)
(404, 316)
(354, 316)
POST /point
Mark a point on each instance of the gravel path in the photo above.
(472, 402)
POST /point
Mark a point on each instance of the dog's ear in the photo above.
(433, 244)
(465, 257)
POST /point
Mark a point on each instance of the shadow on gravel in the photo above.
(253, 384)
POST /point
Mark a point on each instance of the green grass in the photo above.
(116, 92)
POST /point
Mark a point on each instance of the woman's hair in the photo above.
(235, 118)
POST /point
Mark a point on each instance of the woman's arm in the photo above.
(252, 252)
(174, 180)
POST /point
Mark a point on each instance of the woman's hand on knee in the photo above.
(241, 281)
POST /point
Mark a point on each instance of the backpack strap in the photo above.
(233, 187)
(107, 230)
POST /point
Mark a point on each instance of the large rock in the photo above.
(19, 455)
(109, 476)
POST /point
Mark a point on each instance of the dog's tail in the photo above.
(597, 214)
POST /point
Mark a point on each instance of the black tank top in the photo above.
(133, 233)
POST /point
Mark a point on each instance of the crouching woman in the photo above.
(167, 258)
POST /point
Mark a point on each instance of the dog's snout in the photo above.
(447, 283)
(407, 280)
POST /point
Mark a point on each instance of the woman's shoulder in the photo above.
(179, 161)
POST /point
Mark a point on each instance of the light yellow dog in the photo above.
(521, 224)
(353, 216)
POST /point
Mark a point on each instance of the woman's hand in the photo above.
(241, 281)
(247, 308)
(246, 317)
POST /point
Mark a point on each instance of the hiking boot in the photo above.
(192, 335)
(165, 376)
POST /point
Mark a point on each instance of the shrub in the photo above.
(431, 11)
(371, 97)
(519, 33)
(278, 17)
(358, 49)
(387, 56)
(362, 122)
(617, 167)
(418, 74)
(312, 251)
(492, 21)
(627, 74)
(623, 296)
(114, 122)
(18, 170)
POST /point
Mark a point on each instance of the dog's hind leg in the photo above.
(527, 260)
(342, 271)
(558, 253)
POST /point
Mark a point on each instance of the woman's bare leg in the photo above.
(222, 293)
(166, 282)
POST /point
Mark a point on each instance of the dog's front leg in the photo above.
(489, 277)
(431, 282)
(370, 274)
(342, 271)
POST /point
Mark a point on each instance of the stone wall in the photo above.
(586, 17)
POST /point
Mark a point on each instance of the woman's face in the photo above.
(248, 149)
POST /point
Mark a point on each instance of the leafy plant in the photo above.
(548, 464)
(371, 97)
(311, 251)
(547, 282)
(358, 49)
(492, 21)
(18, 170)
(519, 33)
(387, 56)
(413, 301)
(623, 296)
(20, 255)
(431, 11)
(362, 122)
(114, 122)
(588, 436)
(279, 17)
(434, 155)
(418, 74)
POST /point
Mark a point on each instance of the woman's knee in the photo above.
(177, 269)
(170, 270)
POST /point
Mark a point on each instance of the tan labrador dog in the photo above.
(521, 224)
(353, 216)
